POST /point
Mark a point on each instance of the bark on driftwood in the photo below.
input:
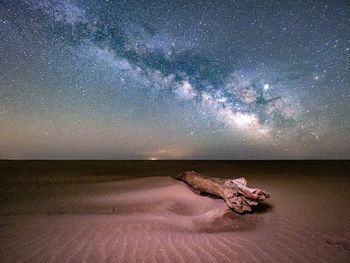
(235, 192)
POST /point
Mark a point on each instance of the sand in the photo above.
(135, 212)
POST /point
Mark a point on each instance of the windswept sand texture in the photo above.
(135, 212)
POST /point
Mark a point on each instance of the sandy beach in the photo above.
(136, 212)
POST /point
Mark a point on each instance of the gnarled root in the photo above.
(235, 192)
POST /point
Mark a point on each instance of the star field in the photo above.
(174, 79)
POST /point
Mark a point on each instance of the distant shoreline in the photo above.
(171, 167)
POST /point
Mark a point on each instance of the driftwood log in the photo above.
(235, 192)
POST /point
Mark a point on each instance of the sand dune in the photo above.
(106, 218)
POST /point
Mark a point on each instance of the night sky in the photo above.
(94, 79)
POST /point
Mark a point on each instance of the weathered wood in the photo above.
(235, 192)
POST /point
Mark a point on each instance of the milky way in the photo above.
(174, 79)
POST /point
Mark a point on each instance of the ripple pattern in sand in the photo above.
(160, 220)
